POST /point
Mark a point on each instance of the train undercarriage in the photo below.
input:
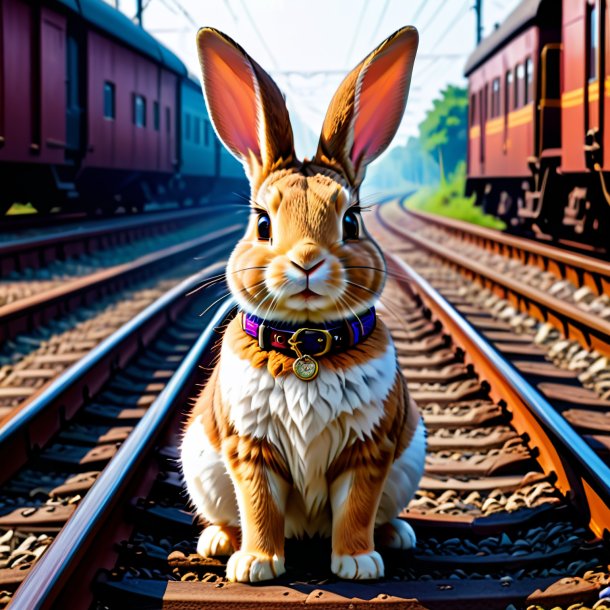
(550, 205)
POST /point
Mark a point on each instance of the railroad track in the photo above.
(511, 512)
(55, 447)
(56, 274)
(546, 310)
(96, 307)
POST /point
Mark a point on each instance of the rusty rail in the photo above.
(590, 331)
(563, 454)
(41, 250)
(47, 578)
(579, 268)
(23, 314)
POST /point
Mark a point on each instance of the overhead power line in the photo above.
(355, 37)
(418, 11)
(381, 16)
(432, 17)
(257, 32)
(433, 58)
(462, 12)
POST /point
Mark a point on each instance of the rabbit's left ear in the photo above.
(366, 110)
(246, 107)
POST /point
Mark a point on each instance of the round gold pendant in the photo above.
(305, 368)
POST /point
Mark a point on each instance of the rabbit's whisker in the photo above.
(219, 277)
(392, 274)
(385, 302)
(224, 296)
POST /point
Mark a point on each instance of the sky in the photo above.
(309, 47)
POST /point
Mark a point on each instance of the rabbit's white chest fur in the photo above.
(309, 422)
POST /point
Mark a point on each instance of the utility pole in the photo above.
(478, 7)
(139, 13)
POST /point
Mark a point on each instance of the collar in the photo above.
(312, 340)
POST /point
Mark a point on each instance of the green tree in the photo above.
(443, 132)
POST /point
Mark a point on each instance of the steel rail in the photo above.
(589, 330)
(562, 452)
(556, 259)
(61, 239)
(22, 435)
(19, 315)
(46, 579)
(67, 224)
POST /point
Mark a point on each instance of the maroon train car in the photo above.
(95, 113)
(538, 87)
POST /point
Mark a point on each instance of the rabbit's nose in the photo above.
(306, 256)
(309, 269)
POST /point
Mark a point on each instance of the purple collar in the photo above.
(310, 339)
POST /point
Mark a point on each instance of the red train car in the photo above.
(514, 119)
(539, 93)
(585, 106)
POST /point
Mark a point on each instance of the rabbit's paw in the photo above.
(366, 566)
(215, 541)
(248, 567)
(396, 534)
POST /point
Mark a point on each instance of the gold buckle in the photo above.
(293, 342)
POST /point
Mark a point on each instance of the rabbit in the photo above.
(305, 426)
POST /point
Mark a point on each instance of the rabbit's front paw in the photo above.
(396, 534)
(248, 567)
(216, 540)
(366, 566)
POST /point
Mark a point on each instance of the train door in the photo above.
(595, 85)
(2, 76)
(508, 89)
(549, 104)
(73, 102)
(483, 95)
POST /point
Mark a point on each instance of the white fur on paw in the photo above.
(398, 534)
(214, 541)
(366, 566)
(247, 567)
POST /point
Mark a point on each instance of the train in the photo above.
(538, 152)
(96, 115)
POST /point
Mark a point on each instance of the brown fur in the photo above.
(306, 204)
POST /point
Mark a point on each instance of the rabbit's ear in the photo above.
(245, 105)
(366, 110)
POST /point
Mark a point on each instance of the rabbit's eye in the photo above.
(351, 226)
(264, 226)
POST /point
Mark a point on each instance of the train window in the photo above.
(139, 110)
(109, 100)
(593, 38)
(518, 88)
(187, 126)
(156, 116)
(473, 110)
(168, 119)
(197, 130)
(529, 81)
(495, 98)
(508, 85)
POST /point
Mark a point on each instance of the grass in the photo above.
(448, 199)
(21, 208)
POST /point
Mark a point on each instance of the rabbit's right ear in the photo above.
(246, 107)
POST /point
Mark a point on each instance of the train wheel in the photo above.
(552, 196)
(488, 199)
